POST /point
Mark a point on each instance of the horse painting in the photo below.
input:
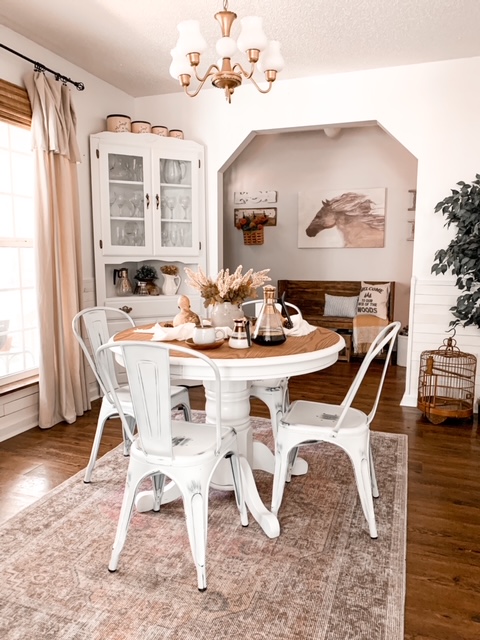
(349, 220)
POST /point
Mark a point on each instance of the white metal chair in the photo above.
(308, 422)
(273, 392)
(94, 321)
(184, 451)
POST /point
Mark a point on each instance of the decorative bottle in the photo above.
(268, 329)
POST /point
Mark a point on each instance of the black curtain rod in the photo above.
(41, 67)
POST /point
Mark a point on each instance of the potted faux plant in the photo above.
(148, 274)
(462, 256)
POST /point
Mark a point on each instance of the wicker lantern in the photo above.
(446, 383)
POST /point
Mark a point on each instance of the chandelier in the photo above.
(225, 75)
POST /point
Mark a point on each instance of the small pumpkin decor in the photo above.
(252, 227)
(147, 274)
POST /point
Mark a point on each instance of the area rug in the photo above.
(322, 578)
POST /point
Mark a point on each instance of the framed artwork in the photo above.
(269, 212)
(252, 198)
(342, 218)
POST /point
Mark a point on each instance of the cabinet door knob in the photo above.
(147, 198)
(157, 200)
(126, 309)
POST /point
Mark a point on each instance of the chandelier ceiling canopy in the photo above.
(226, 74)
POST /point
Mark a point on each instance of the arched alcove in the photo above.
(291, 163)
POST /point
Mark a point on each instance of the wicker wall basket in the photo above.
(253, 237)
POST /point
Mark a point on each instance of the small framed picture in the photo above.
(269, 212)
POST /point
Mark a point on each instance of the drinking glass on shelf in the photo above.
(163, 206)
(137, 202)
(181, 236)
(164, 238)
(174, 235)
(171, 202)
(185, 203)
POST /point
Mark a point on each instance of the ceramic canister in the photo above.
(160, 130)
(176, 133)
(118, 123)
(141, 126)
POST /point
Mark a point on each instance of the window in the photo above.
(19, 342)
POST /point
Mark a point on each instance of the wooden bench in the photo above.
(309, 296)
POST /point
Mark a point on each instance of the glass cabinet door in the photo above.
(178, 230)
(126, 229)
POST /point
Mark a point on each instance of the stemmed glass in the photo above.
(174, 235)
(171, 202)
(185, 203)
(137, 202)
(181, 236)
(121, 201)
(165, 238)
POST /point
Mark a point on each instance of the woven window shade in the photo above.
(14, 105)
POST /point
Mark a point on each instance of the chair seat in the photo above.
(190, 441)
(312, 416)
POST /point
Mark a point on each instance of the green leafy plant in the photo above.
(146, 272)
(462, 256)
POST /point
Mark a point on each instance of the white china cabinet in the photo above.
(148, 209)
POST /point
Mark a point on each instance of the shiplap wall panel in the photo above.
(429, 326)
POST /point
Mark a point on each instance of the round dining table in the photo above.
(298, 355)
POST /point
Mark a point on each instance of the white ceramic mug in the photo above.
(207, 335)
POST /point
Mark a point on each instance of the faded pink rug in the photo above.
(322, 579)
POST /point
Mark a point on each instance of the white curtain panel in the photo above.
(62, 386)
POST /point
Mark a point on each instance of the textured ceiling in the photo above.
(127, 43)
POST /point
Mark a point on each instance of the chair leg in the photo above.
(196, 512)
(158, 481)
(282, 457)
(131, 484)
(187, 412)
(373, 476)
(127, 443)
(238, 488)
(292, 458)
(102, 418)
(361, 467)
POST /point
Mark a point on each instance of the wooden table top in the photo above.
(294, 345)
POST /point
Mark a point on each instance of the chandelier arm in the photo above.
(209, 72)
(192, 94)
(237, 68)
(270, 83)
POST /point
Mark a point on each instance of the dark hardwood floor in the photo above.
(443, 539)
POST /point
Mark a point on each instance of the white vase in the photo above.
(224, 313)
(170, 284)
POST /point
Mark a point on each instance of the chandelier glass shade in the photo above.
(227, 75)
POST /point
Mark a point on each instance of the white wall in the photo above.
(293, 163)
(431, 109)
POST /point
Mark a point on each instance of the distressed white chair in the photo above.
(309, 423)
(273, 392)
(184, 451)
(94, 320)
